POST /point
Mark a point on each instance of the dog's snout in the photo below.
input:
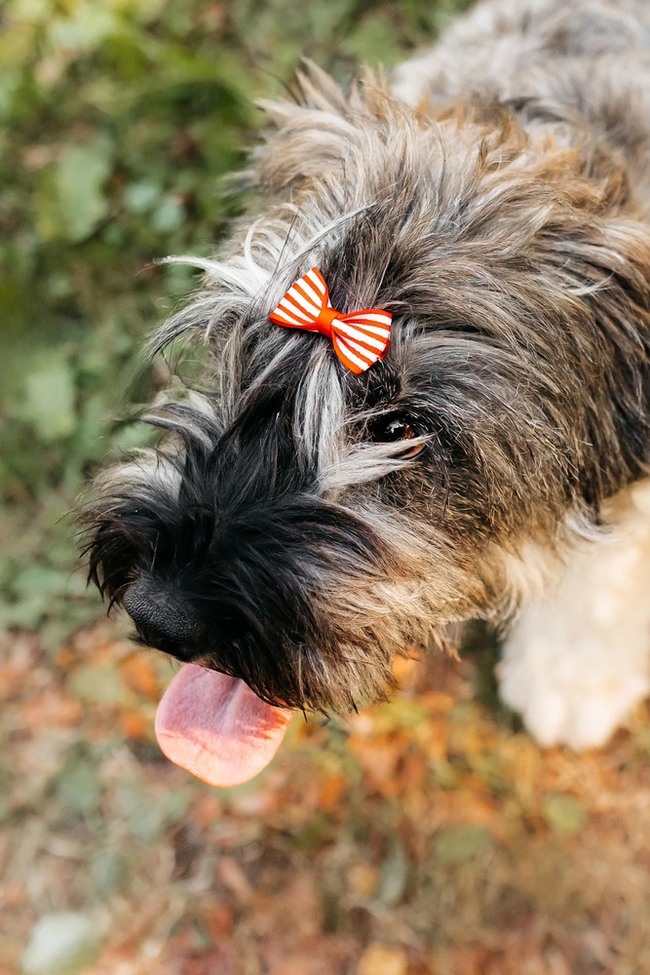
(162, 621)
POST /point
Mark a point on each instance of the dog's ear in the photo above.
(604, 261)
(599, 274)
(313, 135)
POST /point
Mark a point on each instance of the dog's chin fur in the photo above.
(507, 234)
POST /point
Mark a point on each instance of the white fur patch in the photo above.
(577, 659)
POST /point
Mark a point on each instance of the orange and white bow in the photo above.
(359, 338)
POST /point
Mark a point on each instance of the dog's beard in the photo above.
(226, 555)
(290, 593)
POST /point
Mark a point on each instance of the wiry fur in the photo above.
(501, 217)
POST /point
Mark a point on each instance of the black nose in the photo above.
(162, 620)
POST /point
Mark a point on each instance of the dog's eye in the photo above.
(394, 429)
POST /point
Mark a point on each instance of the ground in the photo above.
(426, 836)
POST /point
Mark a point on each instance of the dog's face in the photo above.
(302, 525)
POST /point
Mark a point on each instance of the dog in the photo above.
(426, 398)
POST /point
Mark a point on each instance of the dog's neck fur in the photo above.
(577, 67)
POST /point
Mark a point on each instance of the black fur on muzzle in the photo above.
(230, 560)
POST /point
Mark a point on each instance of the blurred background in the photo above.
(425, 837)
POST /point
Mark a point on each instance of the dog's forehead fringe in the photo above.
(352, 235)
(396, 238)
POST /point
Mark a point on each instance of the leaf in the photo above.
(86, 29)
(169, 216)
(458, 844)
(564, 814)
(32, 591)
(362, 880)
(141, 197)
(139, 674)
(51, 708)
(49, 400)
(380, 959)
(71, 200)
(78, 785)
(374, 42)
(149, 820)
(61, 944)
(109, 869)
(8, 83)
(394, 875)
(99, 684)
(134, 725)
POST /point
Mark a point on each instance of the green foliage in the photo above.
(460, 844)
(149, 822)
(77, 785)
(118, 121)
(564, 814)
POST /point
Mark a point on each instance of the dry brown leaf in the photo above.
(331, 790)
(139, 675)
(134, 726)
(363, 879)
(379, 761)
(380, 959)
(51, 708)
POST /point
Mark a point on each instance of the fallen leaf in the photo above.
(61, 944)
(363, 879)
(139, 674)
(380, 959)
(134, 725)
(459, 844)
(564, 814)
(51, 708)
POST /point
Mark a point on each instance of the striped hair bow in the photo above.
(359, 338)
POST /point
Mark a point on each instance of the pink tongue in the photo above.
(217, 728)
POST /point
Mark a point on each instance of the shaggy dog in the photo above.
(460, 428)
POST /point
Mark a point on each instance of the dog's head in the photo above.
(302, 524)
